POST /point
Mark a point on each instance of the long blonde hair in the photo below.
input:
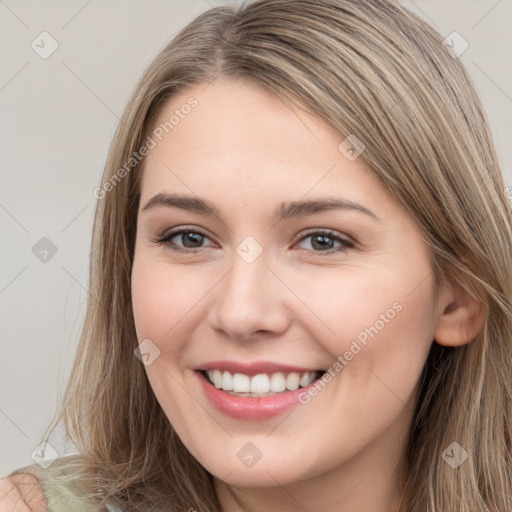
(369, 68)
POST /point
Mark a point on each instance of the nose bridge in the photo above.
(249, 298)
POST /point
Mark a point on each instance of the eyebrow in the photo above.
(284, 210)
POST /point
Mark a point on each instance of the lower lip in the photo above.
(251, 408)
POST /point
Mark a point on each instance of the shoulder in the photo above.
(57, 488)
(22, 493)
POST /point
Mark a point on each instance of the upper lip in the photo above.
(253, 368)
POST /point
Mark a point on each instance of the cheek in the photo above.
(161, 298)
(375, 323)
(383, 333)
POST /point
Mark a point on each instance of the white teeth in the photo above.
(293, 381)
(217, 378)
(261, 383)
(227, 381)
(241, 383)
(306, 379)
(277, 382)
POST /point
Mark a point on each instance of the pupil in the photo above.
(323, 242)
(194, 237)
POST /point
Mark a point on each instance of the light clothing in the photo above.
(64, 495)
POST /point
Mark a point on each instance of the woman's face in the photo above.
(266, 279)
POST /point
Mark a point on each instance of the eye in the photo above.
(190, 238)
(325, 241)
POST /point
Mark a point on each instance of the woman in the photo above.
(301, 278)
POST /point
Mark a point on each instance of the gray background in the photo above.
(58, 116)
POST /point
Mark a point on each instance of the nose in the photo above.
(250, 301)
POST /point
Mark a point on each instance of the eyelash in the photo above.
(165, 240)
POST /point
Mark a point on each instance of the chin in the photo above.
(264, 473)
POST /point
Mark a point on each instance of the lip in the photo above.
(250, 408)
(253, 368)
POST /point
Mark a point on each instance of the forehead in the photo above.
(242, 116)
(240, 140)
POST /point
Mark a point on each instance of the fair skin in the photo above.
(245, 151)
(21, 493)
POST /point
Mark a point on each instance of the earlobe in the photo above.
(461, 316)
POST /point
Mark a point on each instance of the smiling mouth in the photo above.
(260, 385)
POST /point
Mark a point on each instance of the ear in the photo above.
(460, 316)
